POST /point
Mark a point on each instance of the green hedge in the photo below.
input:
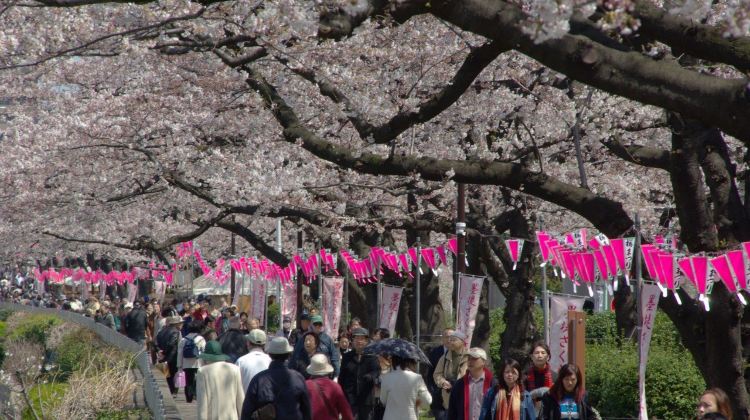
(34, 328)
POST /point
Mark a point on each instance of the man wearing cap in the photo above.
(358, 374)
(451, 366)
(304, 326)
(326, 346)
(277, 392)
(437, 395)
(218, 385)
(168, 341)
(286, 329)
(256, 360)
(472, 385)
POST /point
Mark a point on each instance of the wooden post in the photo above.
(577, 342)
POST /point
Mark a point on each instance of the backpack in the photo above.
(190, 350)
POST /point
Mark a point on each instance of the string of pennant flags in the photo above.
(577, 256)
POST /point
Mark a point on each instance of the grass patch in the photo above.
(44, 397)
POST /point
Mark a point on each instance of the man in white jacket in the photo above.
(256, 360)
(219, 386)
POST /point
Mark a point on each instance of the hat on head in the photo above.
(213, 353)
(477, 353)
(279, 345)
(305, 317)
(319, 365)
(458, 334)
(286, 319)
(360, 331)
(174, 320)
(316, 319)
(128, 305)
(257, 337)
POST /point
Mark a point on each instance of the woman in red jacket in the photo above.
(326, 397)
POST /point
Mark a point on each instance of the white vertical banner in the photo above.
(333, 294)
(649, 303)
(40, 287)
(259, 299)
(289, 294)
(160, 289)
(389, 305)
(239, 279)
(84, 290)
(558, 332)
(102, 289)
(469, 293)
(132, 291)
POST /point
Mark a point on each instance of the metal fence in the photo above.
(151, 390)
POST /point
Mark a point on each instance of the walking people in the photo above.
(168, 340)
(468, 392)
(508, 400)
(715, 400)
(326, 397)
(567, 399)
(325, 346)
(297, 333)
(188, 352)
(277, 392)
(310, 345)
(134, 323)
(438, 411)
(218, 385)
(451, 366)
(539, 377)
(358, 374)
(256, 360)
(403, 391)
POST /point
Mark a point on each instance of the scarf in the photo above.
(508, 409)
(546, 372)
(485, 387)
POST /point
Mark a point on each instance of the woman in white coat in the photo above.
(403, 391)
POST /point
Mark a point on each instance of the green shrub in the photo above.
(5, 314)
(44, 397)
(273, 317)
(34, 328)
(81, 346)
(601, 327)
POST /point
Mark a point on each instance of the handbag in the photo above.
(179, 379)
(265, 412)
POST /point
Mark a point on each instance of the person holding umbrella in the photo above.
(402, 390)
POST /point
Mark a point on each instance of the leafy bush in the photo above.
(34, 328)
(81, 347)
(5, 314)
(273, 317)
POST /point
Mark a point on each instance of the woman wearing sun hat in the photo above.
(326, 396)
(218, 385)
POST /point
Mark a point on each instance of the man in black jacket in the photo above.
(167, 341)
(135, 323)
(437, 398)
(358, 374)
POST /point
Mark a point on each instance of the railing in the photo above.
(151, 391)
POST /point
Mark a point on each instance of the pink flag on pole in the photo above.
(428, 255)
(645, 251)
(389, 304)
(649, 303)
(515, 248)
(700, 270)
(721, 265)
(259, 299)
(542, 239)
(469, 292)
(333, 293)
(618, 247)
(687, 269)
(601, 264)
(559, 307)
(609, 256)
(453, 246)
(737, 262)
(441, 253)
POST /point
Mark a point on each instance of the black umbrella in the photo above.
(399, 348)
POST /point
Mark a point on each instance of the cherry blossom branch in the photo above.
(641, 155)
(607, 215)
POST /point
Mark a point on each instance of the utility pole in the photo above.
(279, 291)
(300, 276)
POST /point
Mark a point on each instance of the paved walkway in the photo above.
(175, 410)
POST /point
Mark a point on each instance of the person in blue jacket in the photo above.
(508, 400)
(325, 346)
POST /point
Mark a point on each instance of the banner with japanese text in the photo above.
(649, 302)
(389, 304)
(132, 291)
(239, 280)
(558, 333)
(259, 299)
(160, 288)
(333, 294)
(469, 292)
(289, 308)
(102, 290)
(84, 290)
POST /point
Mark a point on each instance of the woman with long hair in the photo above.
(715, 400)
(508, 400)
(403, 391)
(567, 399)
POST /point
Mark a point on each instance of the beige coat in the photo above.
(445, 372)
(402, 391)
(219, 391)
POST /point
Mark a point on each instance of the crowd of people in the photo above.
(232, 369)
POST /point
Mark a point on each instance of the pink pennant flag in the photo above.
(404, 262)
(659, 239)
(737, 262)
(428, 255)
(601, 263)
(700, 269)
(647, 258)
(721, 265)
(570, 239)
(441, 253)
(542, 239)
(515, 247)
(453, 246)
(587, 260)
(569, 262)
(584, 235)
(687, 269)
(666, 260)
(413, 256)
(594, 243)
(609, 256)
(618, 248)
